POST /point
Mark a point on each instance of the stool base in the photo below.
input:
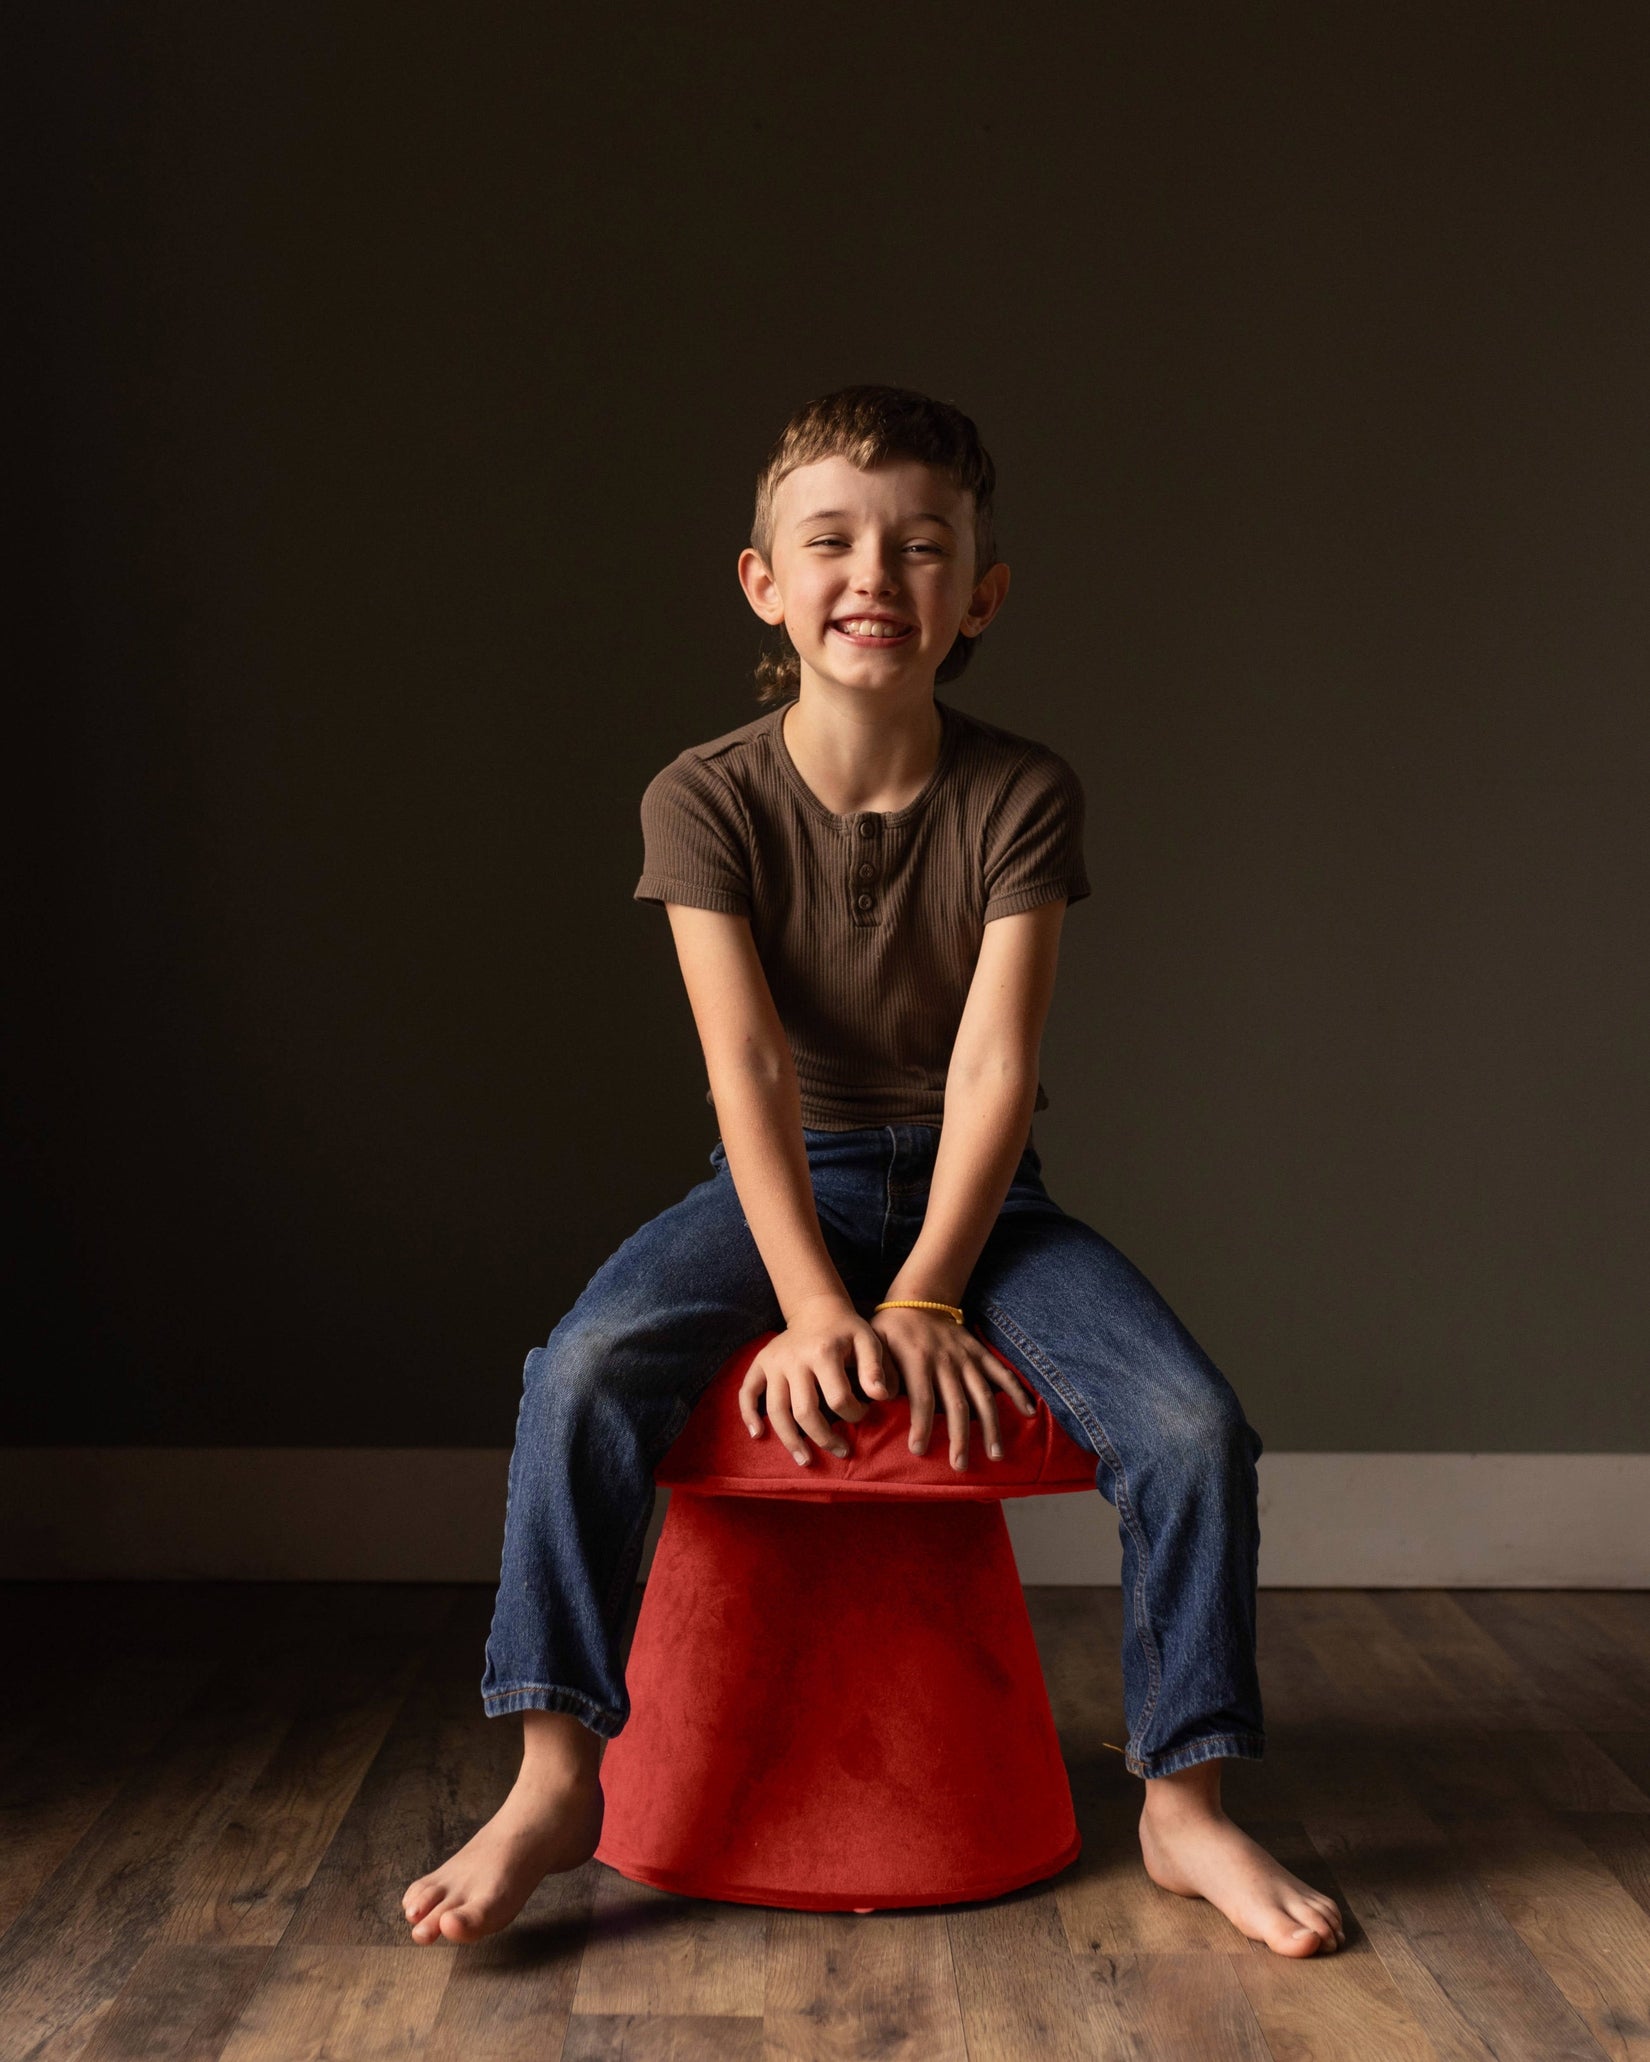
(835, 1707)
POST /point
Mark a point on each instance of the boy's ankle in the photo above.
(558, 1749)
(1191, 1792)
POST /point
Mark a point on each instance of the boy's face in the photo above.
(872, 573)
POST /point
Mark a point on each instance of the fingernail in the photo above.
(996, 1453)
(801, 1459)
(753, 1430)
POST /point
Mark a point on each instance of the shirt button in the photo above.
(867, 829)
(866, 901)
(866, 871)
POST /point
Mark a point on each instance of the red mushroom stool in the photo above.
(836, 1700)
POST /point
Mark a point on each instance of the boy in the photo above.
(866, 889)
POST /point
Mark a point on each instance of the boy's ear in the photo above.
(758, 582)
(989, 592)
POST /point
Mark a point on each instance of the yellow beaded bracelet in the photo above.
(908, 1303)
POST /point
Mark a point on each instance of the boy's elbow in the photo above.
(753, 1066)
(997, 1069)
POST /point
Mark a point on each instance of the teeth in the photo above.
(859, 626)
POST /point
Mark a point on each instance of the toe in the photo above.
(1307, 1908)
(462, 1923)
(1296, 1929)
(429, 1926)
(421, 1898)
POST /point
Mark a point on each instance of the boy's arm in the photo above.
(990, 1088)
(759, 1110)
(758, 1105)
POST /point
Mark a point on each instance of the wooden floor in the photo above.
(215, 1796)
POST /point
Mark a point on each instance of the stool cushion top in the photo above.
(715, 1455)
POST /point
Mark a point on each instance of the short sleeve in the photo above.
(1034, 838)
(694, 845)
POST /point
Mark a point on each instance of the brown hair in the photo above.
(868, 425)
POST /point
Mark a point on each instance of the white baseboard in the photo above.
(433, 1514)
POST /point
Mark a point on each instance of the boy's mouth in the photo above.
(873, 630)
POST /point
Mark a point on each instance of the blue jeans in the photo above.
(613, 1386)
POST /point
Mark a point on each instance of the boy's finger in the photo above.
(878, 1368)
(1005, 1377)
(873, 1372)
(808, 1417)
(921, 1392)
(784, 1425)
(1010, 1384)
(956, 1417)
(986, 1404)
(839, 1394)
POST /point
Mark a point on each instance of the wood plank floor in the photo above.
(215, 1795)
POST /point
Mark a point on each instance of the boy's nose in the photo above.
(875, 586)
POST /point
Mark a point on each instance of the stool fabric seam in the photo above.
(841, 1488)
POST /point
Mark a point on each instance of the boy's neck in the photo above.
(859, 752)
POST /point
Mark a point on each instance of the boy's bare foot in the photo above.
(551, 1820)
(1191, 1847)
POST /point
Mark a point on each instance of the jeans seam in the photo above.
(1125, 1503)
(630, 1558)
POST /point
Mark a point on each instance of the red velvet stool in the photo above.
(836, 1700)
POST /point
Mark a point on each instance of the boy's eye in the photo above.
(934, 549)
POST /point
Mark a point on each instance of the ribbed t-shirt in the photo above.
(868, 926)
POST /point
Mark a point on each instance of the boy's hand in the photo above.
(930, 1351)
(809, 1358)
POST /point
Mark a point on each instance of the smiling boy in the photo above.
(866, 888)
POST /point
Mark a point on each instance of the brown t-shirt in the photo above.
(868, 926)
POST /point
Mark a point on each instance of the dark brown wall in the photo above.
(397, 378)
